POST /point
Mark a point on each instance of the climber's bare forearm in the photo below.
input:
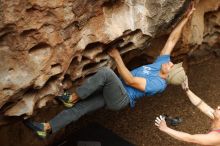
(173, 38)
(136, 82)
(123, 71)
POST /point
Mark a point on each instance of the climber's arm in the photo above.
(175, 35)
(136, 82)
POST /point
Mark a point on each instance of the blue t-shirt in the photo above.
(154, 83)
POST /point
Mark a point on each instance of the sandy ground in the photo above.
(137, 126)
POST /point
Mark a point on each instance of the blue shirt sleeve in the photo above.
(162, 59)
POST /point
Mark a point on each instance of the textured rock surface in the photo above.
(203, 33)
(45, 44)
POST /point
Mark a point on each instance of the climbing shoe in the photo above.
(38, 128)
(65, 98)
(173, 121)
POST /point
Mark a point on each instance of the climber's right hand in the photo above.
(114, 53)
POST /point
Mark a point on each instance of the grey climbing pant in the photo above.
(102, 89)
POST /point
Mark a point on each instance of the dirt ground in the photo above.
(137, 126)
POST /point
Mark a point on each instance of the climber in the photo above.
(105, 88)
(211, 138)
